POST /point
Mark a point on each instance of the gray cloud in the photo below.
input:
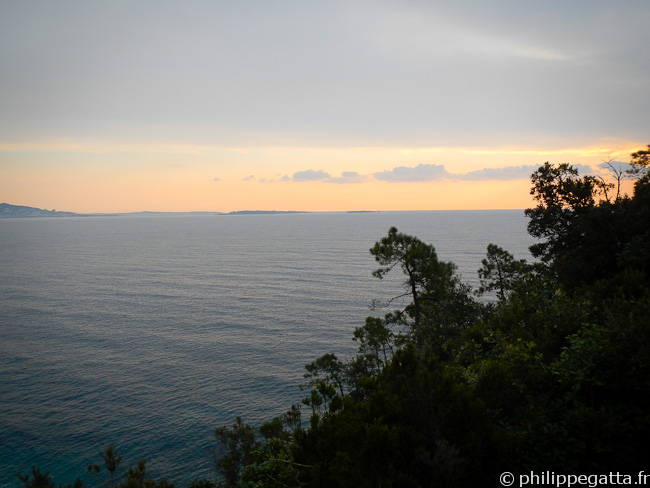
(216, 179)
(435, 172)
(508, 173)
(348, 177)
(584, 169)
(429, 173)
(617, 165)
(421, 172)
(249, 178)
(309, 175)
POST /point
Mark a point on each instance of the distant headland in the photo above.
(21, 211)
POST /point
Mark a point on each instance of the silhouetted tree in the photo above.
(111, 462)
(499, 271)
(236, 445)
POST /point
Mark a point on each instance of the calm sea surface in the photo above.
(149, 332)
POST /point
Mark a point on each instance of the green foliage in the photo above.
(111, 459)
(237, 444)
(441, 306)
(605, 379)
(272, 466)
(202, 483)
(327, 379)
(563, 199)
(427, 279)
(330, 369)
(38, 479)
(246, 460)
(134, 477)
(111, 462)
(377, 343)
(137, 478)
(500, 271)
(640, 161)
(41, 479)
(408, 429)
(586, 238)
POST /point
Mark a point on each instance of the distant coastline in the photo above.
(8, 211)
(21, 211)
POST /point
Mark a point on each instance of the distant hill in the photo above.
(20, 211)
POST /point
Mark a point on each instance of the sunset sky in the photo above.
(118, 106)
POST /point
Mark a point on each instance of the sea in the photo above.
(148, 332)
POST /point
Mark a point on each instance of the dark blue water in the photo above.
(149, 332)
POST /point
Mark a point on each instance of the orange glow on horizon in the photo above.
(89, 178)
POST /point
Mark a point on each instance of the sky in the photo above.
(123, 106)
